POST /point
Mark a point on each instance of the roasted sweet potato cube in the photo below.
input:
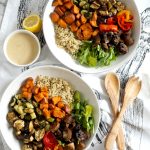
(35, 90)
(75, 9)
(59, 11)
(57, 3)
(62, 23)
(78, 23)
(60, 104)
(58, 113)
(56, 99)
(54, 17)
(93, 23)
(69, 18)
(42, 106)
(94, 16)
(38, 97)
(63, 8)
(83, 19)
(78, 16)
(27, 95)
(73, 27)
(68, 5)
(95, 33)
(65, 1)
(24, 89)
(44, 89)
(46, 113)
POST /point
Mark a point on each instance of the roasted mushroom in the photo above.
(11, 117)
(19, 124)
(39, 134)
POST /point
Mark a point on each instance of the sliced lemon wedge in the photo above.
(32, 23)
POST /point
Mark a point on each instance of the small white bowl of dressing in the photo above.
(22, 48)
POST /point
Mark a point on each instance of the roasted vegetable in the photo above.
(69, 18)
(57, 3)
(54, 17)
(62, 23)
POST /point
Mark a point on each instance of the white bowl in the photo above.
(67, 60)
(52, 71)
(32, 36)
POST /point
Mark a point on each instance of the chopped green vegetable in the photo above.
(77, 96)
(33, 115)
(83, 112)
(95, 56)
(51, 119)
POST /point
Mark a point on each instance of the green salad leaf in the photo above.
(94, 55)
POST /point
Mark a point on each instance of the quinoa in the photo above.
(56, 87)
(66, 39)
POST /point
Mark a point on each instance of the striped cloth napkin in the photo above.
(135, 122)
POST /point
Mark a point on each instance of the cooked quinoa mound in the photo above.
(56, 87)
(66, 39)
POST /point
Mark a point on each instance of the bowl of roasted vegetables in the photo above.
(92, 35)
(49, 108)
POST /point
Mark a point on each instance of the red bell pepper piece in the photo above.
(50, 141)
(111, 20)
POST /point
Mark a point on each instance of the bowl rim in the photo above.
(59, 68)
(32, 36)
(98, 69)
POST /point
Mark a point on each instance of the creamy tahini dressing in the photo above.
(22, 48)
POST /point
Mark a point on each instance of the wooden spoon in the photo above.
(112, 85)
(132, 89)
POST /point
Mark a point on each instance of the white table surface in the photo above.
(142, 5)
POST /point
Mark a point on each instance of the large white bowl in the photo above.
(67, 60)
(52, 71)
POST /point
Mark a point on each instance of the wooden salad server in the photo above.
(132, 89)
(112, 85)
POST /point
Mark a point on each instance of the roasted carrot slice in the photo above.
(56, 99)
